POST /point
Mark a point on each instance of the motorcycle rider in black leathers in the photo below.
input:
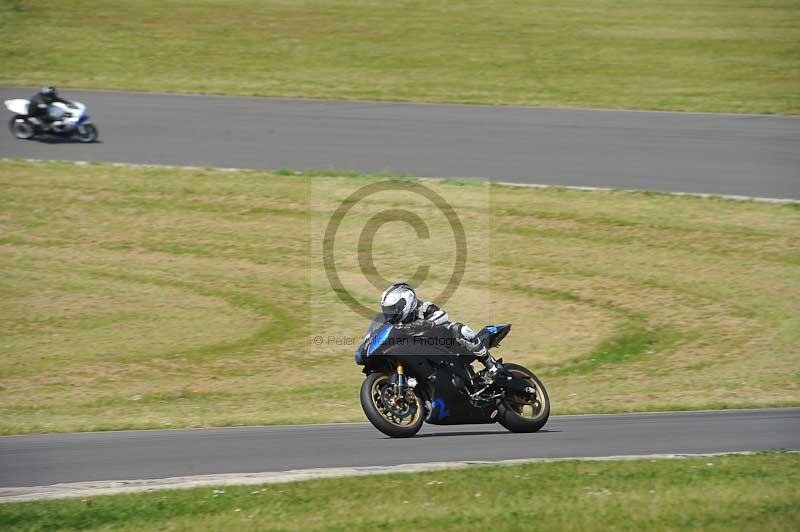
(400, 306)
(39, 103)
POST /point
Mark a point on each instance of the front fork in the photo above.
(404, 385)
(401, 381)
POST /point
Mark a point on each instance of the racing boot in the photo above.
(476, 347)
(493, 367)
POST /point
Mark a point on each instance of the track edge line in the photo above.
(488, 180)
(118, 487)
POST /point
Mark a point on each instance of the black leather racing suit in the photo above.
(38, 105)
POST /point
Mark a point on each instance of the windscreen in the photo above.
(375, 324)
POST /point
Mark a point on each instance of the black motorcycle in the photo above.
(416, 373)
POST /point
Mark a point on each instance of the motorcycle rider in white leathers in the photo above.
(400, 306)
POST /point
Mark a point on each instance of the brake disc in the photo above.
(396, 405)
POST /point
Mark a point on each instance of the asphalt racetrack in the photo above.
(750, 155)
(677, 152)
(39, 460)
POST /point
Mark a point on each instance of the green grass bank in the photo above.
(159, 297)
(719, 55)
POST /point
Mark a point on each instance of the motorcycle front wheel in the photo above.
(373, 402)
(21, 128)
(86, 133)
(523, 414)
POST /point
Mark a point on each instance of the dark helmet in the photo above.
(48, 92)
(397, 302)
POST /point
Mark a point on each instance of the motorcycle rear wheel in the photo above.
(519, 414)
(21, 128)
(380, 416)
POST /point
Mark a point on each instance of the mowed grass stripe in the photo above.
(161, 297)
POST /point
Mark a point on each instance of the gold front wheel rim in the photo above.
(377, 402)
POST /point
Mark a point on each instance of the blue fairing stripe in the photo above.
(442, 408)
(380, 336)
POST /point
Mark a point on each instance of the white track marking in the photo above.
(476, 179)
(117, 487)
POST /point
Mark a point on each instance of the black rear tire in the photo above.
(21, 128)
(511, 413)
(392, 428)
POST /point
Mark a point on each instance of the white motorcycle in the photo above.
(69, 120)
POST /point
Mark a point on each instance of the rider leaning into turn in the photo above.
(41, 101)
(400, 306)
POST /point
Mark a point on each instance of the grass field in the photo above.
(755, 492)
(157, 297)
(718, 55)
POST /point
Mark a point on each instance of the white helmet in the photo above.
(397, 302)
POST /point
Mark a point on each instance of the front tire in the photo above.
(86, 133)
(21, 128)
(519, 414)
(380, 416)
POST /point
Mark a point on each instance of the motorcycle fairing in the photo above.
(18, 106)
(449, 406)
(442, 376)
(378, 338)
